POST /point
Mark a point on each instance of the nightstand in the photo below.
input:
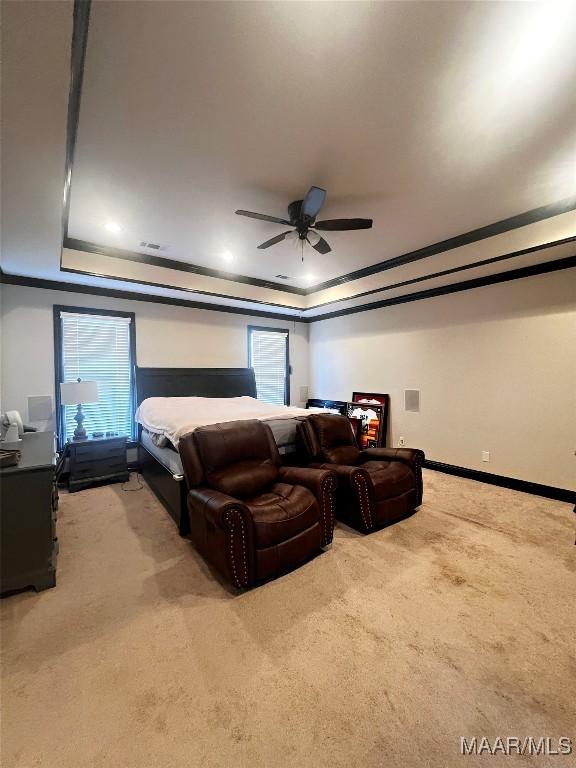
(96, 460)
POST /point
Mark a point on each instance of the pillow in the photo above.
(160, 441)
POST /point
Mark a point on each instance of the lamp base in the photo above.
(79, 432)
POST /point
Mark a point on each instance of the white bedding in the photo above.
(176, 416)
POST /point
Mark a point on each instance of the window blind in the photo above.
(268, 355)
(98, 348)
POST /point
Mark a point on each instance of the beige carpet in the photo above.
(382, 652)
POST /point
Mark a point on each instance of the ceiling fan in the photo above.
(302, 217)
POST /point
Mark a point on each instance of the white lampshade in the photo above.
(78, 392)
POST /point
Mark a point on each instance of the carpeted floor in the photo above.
(382, 652)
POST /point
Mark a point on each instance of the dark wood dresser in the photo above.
(97, 460)
(28, 504)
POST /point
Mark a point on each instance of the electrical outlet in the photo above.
(485, 455)
(401, 442)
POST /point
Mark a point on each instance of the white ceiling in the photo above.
(431, 118)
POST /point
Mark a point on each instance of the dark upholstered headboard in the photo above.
(194, 382)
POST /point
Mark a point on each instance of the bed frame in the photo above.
(183, 382)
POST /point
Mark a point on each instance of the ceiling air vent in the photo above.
(153, 246)
(283, 277)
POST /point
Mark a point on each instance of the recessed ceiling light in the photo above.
(227, 257)
(309, 278)
(113, 227)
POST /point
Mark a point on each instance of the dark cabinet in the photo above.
(96, 460)
(28, 504)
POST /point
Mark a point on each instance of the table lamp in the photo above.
(79, 393)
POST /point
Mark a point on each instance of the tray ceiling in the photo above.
(433, 119)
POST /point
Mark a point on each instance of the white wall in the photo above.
(165, 336)
(496, 367)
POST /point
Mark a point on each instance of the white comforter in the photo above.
(176, 416)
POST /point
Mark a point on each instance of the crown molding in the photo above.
(116, 293)
(81, 22)
(466, 285)
(451, 271)
(176, 264)
(474, 236)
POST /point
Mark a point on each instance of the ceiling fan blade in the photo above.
(313, 201)
(340, 225)
(274, 240)
(321, 246)
(262, 217)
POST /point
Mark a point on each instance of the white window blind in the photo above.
(98, 348)
(268, 355)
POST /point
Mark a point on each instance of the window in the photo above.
(96, 345)
(268, 355)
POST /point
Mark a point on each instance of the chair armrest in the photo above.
(231, 550)
(413, 457)
(409, 456)
(215, 505)
(322, 483)
(345, 472)
(311, 478)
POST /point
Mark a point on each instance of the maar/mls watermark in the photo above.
(514, 745)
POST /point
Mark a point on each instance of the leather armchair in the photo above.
(251, 518)
(377, 486)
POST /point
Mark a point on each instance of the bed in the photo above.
(159, 460)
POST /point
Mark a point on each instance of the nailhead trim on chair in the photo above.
(244, 559)
(419, 484)
(360, 484)
(323, 511)
(328, 486)
(230, 522)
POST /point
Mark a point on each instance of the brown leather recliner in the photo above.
(376, 486)
(251, 518)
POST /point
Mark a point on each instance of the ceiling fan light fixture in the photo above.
(302, 217)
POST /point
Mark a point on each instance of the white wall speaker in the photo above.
(412, 400)
(40, 408)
